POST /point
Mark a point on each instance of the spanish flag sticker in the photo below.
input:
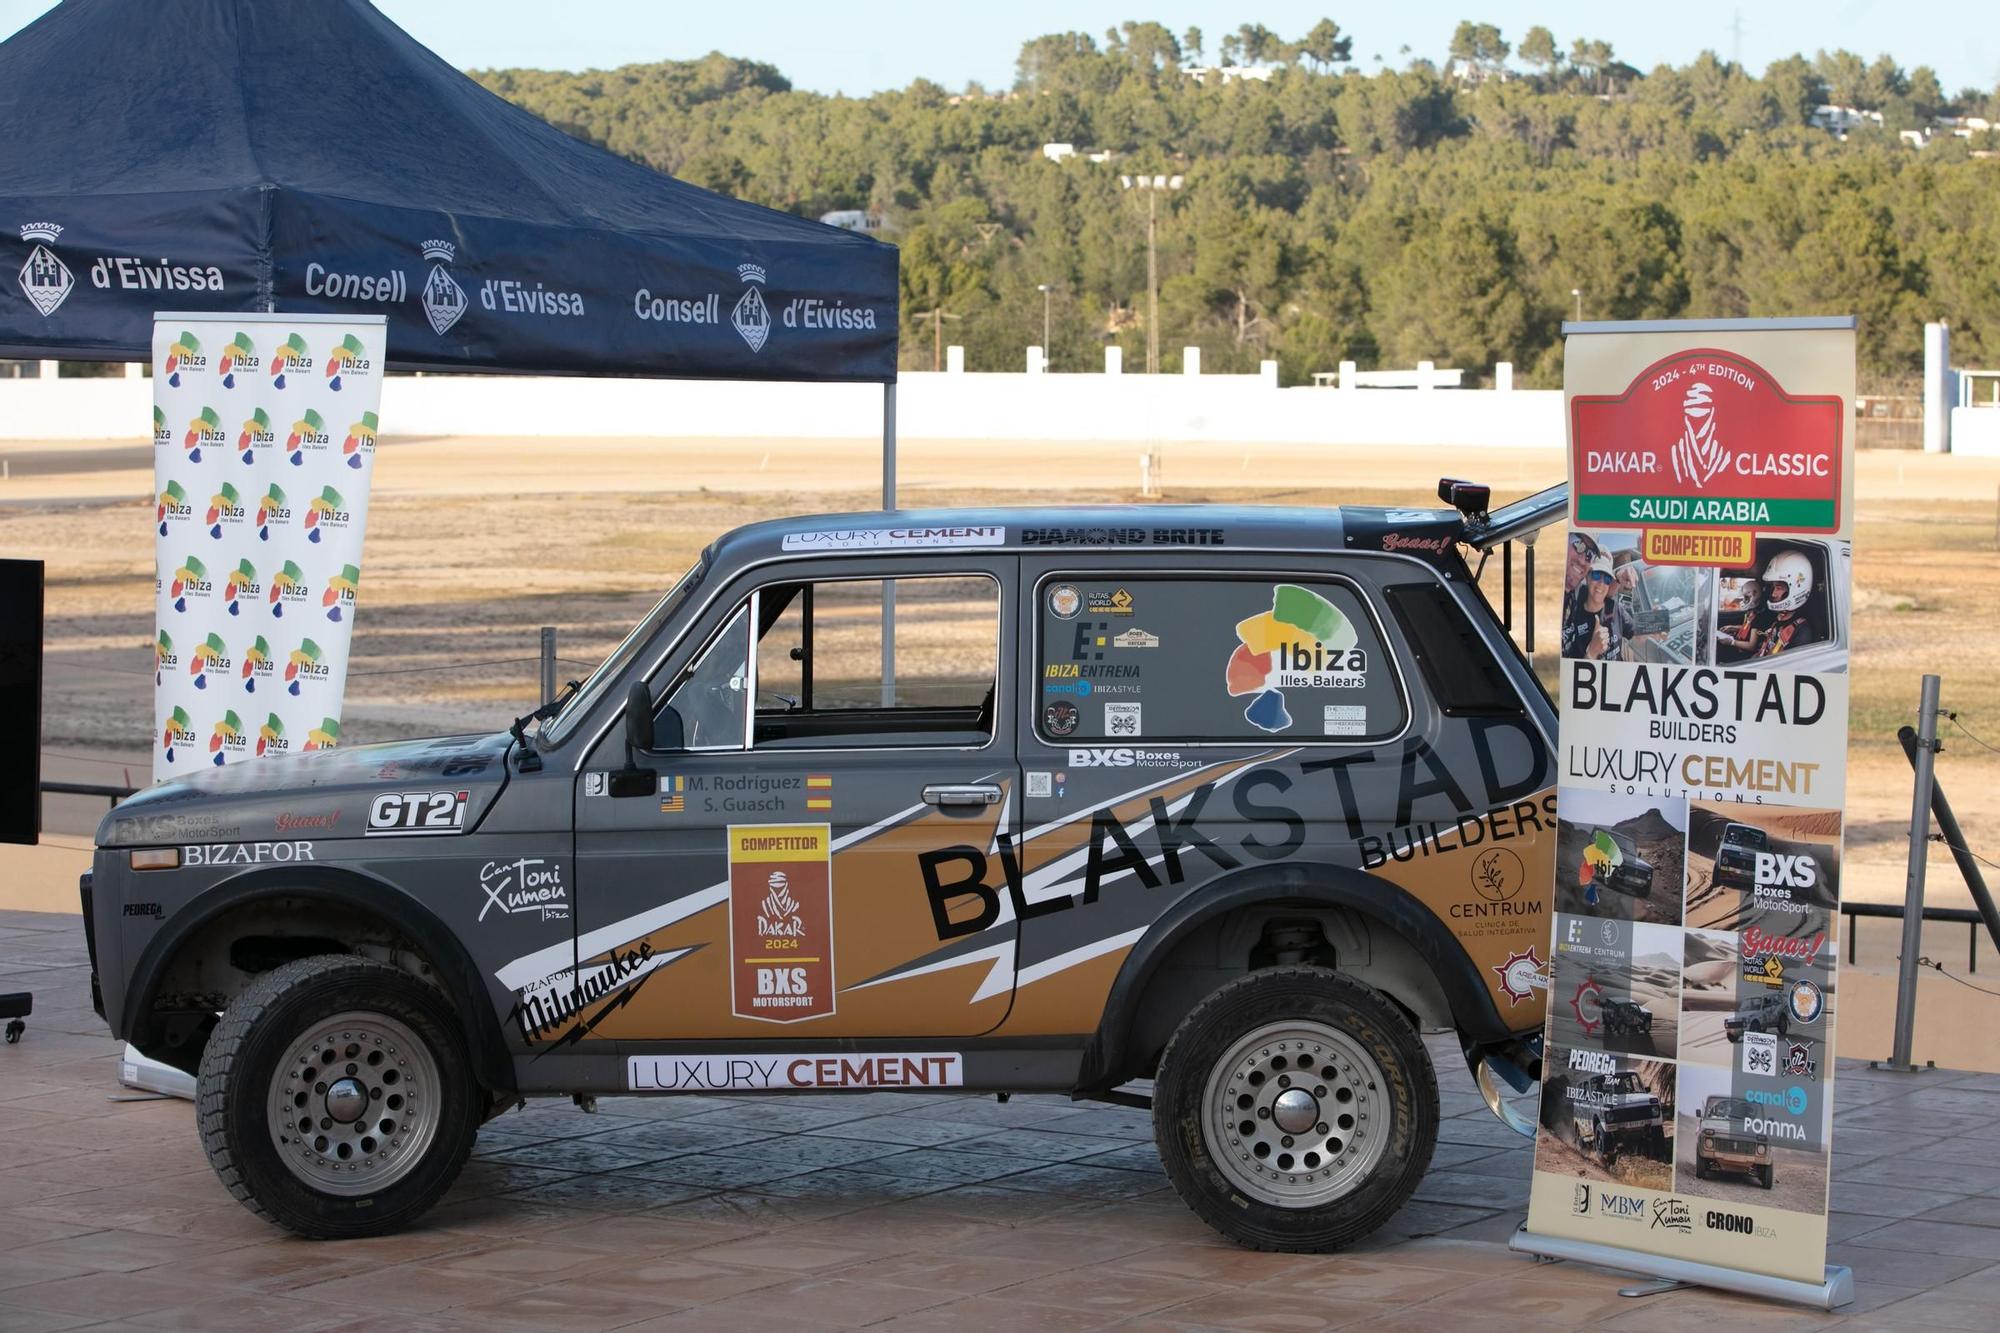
(819, 791)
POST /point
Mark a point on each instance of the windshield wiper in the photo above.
(531, 762)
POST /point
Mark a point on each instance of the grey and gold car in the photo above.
(1238, 800)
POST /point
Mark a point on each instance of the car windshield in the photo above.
(1625, 844)
(1735, 1108)
(1737, 835)
(1624, 1082)
(557, 729)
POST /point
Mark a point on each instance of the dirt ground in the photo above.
(1564, 1158)
(474, 544)
(1798, 1176)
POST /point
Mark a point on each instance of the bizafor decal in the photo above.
(781, 921)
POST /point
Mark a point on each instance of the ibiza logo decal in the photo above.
(444, 299)
(751, 317)
(45, 279)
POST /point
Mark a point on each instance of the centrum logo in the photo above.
(292, 354)
(1303, 641)
(256, 665)
(184, 353)
(173, 506)
(241, 586)
(345, 359)
(340, 590)
(308, 432)
(211, 652)
(271, 509)
(324, 736)
(225, 506)
(751, 317)
(256, 434)
(444, 300)
(177, 730)
(1707, 438)
(204, 429)
(327, 510)
(288, 588)
(45, 280)
(241, 354)
(190, 580)
(360, 440)
(226, 738)
(304, 665)
(164, 656)
(271, 736)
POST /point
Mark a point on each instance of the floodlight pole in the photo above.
(889, 585)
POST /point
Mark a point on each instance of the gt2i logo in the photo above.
(410, 813)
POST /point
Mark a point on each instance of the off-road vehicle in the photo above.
(1625, 1018)
(1726, 1146)
(1759, 1013)
(1617, 1113)
(1736, 856)
(1238, 800)
(1631, 874)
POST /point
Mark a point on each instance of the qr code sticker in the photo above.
(1039, 784)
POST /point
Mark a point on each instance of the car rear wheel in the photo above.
(1764, 1175)
(1295, 1109)
(336, 1097)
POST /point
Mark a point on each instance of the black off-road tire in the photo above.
(258, 1031)
(1294, 993)
(1701, 1171)
(1765, 1173)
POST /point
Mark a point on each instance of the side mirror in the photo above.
(638, 718)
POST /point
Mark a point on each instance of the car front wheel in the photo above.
(1295, 1109)
(336, 1097)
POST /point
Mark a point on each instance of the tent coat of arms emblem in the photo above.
(45, 280)
(751, 316)
(444, 299)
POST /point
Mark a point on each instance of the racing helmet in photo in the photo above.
(1788, 581)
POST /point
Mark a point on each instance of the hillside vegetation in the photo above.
(1442, 211)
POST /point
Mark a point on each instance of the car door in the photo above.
(803, 856)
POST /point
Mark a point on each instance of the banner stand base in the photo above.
(1836, 1290)
(149, 1075)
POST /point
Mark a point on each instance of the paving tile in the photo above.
(541, 1260)
(119, 1251)
(683, 1281)
(1885, 1201)
(1092, 1292)
(841, 1301)
(104, 1295)
(1905, 1268)
(956, 1273)
(408, 1289)
(1230, 1267)
(1084, 1181)
(242, 1312)
(607, 1193)
(984, 1314)
(1474, 1191)
(1951, 1238)
(917, 1133)
(781, 1254)
(1980, 1212)
(1934, 1309)
(15, 1319)
(581, 1306)
(1272, 1311)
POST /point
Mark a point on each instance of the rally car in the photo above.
(1725, 1146)
(1736, 856)
(1617, 1113)
(968, 801)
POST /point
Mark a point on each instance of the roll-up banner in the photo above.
(1687, 1095)
(263, 448)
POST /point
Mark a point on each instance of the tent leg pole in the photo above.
(889, 585)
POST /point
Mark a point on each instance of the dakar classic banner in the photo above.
(264, 432)
(1687, 1103)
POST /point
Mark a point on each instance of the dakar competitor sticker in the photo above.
(1706, 439)
(781, 921)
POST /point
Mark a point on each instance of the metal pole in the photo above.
(548, 662)
(1913, 898)
(889, 585)
(1152, 286)
(1954, 837)
(1048, 294)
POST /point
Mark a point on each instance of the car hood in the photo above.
(323, 794)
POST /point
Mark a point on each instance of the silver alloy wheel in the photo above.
(1295, 1114)
(356, 1103)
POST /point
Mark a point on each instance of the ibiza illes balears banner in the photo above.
(263, 448)
(1687, 1103)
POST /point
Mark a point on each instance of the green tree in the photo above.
(1478, 47)
(1324, 45)
(1538, 49)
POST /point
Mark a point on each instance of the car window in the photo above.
(1225, 658)
(823, 680)
(707, 710)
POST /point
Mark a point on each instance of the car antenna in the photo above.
(531, 759)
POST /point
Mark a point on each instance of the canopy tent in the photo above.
(233, 155)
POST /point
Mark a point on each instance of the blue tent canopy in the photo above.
(231, 155)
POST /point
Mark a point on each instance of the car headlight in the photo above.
(1708, 1142)
(1762, 1151)
(156, 858)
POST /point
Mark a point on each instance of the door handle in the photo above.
(969, 793)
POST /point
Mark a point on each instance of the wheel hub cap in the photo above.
(346, 1100)
(355, 1105)
(1296, 1114)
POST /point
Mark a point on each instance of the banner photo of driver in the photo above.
(1688, 1076)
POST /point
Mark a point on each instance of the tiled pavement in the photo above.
(880, 1209)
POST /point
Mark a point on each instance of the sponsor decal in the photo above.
(673, 794)
(527, 884)
(288, 588)
(878, 539)
(1672, 1215)
(507, 297)
(1117, 603)
(225, 507)
(1695, 546)
(1707, 438)
(272, 510)
(346, 360)
(308, 436)
(1117, 536)
(1591, 1062)
(325, 736)
(594, 784)
(1344, 720)
(1521, 976)
(245, 853)
(204, 428)
(290, 357)
(171, 828)
(304, 666)
(151, 910)
(1303, 641)
(1122, 720)
(1621, 1207)
(271, 737)
(1791, 1101)
(327, 512)
(1798, 1059)
(1807, 1002)
(1759, 1054)
(1065, 601)
(360, 441)
(1135, 638)
(1060, 717)
(443, 299)
(45, 280)
(1579, 1202)
(340, 590)
(781, 921)
(539, 1013)
(750, 317)
(325, 821)
(810, 312)
(414, 813)
(190, 583)
(131, 274)
(1124, 756)
(1433, 545)
(164, 656)
(163, 434)
(184, 353)
(387, 288)
(239, 354)
(1588, 1006)
(676, 309)
(172, 506)
(240, 588)
(1039, 783)
(226, 738)
(1736, 1224)
(208, 655)
(758, 1073)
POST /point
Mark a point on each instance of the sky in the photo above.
(865, 47)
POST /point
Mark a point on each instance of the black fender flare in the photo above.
(1298, 884)
(348, 887)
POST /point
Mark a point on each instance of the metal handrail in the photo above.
(1894, 911)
